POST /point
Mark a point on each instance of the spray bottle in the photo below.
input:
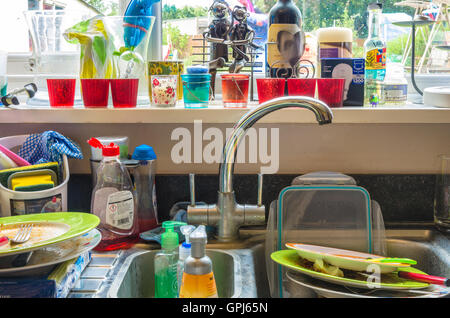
(198, 277)
(166, 284)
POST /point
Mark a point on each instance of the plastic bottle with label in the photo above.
(113, 201)
(395, 85)
(166, 261)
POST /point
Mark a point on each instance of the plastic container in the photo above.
(326, 209)
(166, 285)
(331, 91)
(270, 88)
(61, 92)
(395, 86)
(124, 92)
(16, 203)
(196, 90)
(113, 201)
(302, 86)
(95, 92)
(144, 183)
(96, 153)
(235, 90)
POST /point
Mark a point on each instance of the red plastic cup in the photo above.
(331, 91)
(302, 86)
(61, 92)
(270, 88)
(95, 92)
(124, 92)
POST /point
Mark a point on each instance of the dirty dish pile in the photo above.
(332, 272)
(53, 239)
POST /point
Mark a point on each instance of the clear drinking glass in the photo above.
(442, 196)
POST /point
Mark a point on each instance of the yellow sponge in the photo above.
(4, 174)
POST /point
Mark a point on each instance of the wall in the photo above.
(347, 148)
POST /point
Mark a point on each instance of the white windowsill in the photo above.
(216, 114)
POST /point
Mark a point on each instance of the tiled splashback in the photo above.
(403, 198)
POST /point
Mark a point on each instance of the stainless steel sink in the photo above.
(136, 276)
(240, 267)
(430, 248)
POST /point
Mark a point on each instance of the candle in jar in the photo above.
(335, 42)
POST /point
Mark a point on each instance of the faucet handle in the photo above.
(192, 188)
(260, 188)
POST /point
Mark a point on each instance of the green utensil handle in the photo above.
(398, 260)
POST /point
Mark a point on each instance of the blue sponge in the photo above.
(197, 69)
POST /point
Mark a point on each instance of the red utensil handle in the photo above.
(425, 278)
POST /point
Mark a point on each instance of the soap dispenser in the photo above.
(184, 252)
(198, 277)
(166, 284)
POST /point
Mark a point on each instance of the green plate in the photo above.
(48, 229)
(290, 259)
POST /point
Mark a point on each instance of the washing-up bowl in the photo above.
(136, 277)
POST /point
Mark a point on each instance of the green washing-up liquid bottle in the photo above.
(166, 283)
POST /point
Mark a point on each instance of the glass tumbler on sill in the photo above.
(235, 90)
(164, 90)
(442, 196)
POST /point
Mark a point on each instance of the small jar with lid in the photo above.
(395, 87)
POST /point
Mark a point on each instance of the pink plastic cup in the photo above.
(270, 88)
(302, 86)
(331, 91)
(95, 92)
(61, 92)
(124, 92)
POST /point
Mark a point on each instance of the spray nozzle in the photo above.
(107, 151)
(186, 230)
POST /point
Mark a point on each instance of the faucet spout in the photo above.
(322, 112)
(227, 215)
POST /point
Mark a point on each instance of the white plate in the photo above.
(42, 260)
(328, 290)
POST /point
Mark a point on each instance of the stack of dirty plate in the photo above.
(319, 213)
(55, 238)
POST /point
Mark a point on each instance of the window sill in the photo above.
(216, 114)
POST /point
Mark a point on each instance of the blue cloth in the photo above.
(49, 146)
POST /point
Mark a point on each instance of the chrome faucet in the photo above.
(227, 215)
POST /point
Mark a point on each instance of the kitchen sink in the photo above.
(136, 276)
(240, 267)
(430, 248)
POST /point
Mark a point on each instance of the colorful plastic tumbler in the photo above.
(61, 92)
(331, 91)
(270, 88)
(124, 92)
(95, 92)
(301, 86)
